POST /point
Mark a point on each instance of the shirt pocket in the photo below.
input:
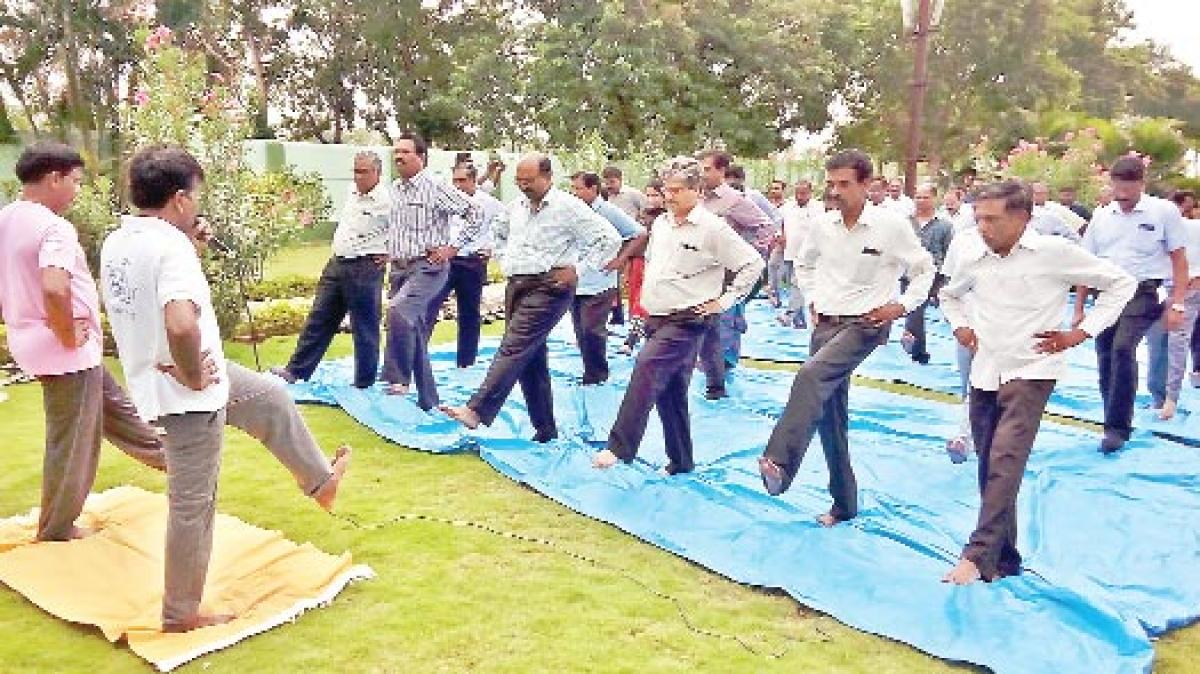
(689, 261)
(867, 263)
(1148, 239)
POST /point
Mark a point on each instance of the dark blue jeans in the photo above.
(660, 380)
(468, 274)
(353, 286)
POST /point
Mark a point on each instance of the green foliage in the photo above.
(180, 103)
(274, 319)
(282, 288)
(93, 214)
(5, 354)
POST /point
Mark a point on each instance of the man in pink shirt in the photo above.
(52, 310)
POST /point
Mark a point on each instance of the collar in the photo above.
(1030, 240)
(722, 191)
(549, 197)
(419, 177)
(870, 215)
(152, 222)
(376, 194)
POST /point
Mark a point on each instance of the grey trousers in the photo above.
(1004, 424)
(819, 403)
(776, 273)
(81, 407)
(259, 405)
(1166, 380)
(415, 285)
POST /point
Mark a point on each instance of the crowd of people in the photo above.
(692, 248)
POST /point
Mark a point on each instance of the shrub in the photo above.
(282, 288)
(275, 319)
(5, 354)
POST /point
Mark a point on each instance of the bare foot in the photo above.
(396, 389)
(1167, 411)
(326, 494)
(604, 460)
(74, 534)
(772, 476)
(198, 621)
(964, 573)
(463, 415)
(827, 520)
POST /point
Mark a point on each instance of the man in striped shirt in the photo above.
(421, 247)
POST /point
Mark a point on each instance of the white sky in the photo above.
(1173, 23)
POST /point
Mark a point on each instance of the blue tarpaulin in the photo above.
(1077, 394)
(1111, 544)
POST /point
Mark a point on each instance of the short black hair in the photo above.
(781, 182)
(736, 172)
(590, 180)
(1014, 193)
(469, 167)
(157, 173)
(611, 172)
(720, 159)
(1128, 168)
(852, 159)
(1180, 196)
(41, 159)
(419, 144)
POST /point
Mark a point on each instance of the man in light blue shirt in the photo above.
(597, 291)
(468, 268)
(1145, 236)
(549, 240)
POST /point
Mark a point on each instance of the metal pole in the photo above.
(920, 83)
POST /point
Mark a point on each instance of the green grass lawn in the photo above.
(455, 599)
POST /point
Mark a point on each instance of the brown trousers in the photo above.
(1004, 424)
(81, 408)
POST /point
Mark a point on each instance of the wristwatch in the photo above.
(1178, 307)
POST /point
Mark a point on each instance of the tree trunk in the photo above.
(77, 110)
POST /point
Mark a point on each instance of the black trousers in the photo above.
(468, 275)
(1004, 424)
(533, 305)
(589, 315)
(819, 403)
(914, 323)
(1116, 357)
(346, 285)
(660, 379)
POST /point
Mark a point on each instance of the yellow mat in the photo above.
(113, 578)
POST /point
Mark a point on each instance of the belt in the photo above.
(838, 320)
(355, 258)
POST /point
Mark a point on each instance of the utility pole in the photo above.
(920, 82)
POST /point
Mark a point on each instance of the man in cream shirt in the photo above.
(850, 270)
(1005, 304)
(691, 251)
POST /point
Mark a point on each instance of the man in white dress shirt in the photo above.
(468, 267)
(352, 281)
(799, 216)
(691, 252)
(1005, 304)
(849, 269)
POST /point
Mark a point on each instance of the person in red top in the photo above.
(636, 270)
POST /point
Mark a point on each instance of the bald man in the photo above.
(549, 240)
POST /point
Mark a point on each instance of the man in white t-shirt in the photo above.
(160, 308)
(798, 218)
